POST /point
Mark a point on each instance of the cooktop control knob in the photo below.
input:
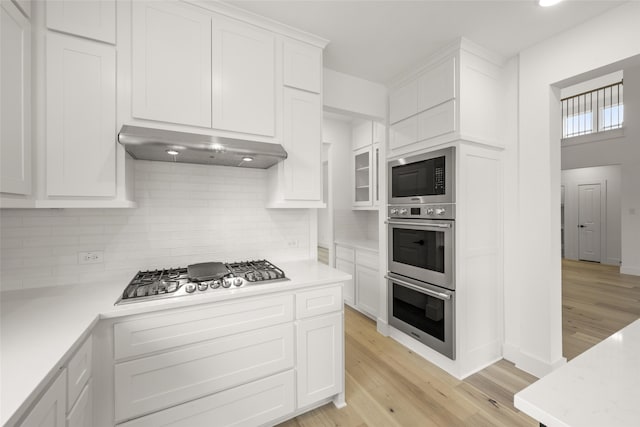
(440, 211)
(394, 211)
(226, 282)
(202, 286)
(429, 211)
(190, 287)
(403, 211)
(237, 281)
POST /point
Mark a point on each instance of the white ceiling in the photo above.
(377, 40)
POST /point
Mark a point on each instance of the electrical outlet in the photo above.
(293, 243)
(95, 257)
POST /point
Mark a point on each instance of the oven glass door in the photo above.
(422, 250)
(424, 312)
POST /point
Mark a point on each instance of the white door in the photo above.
(171, 69)
(589, 222)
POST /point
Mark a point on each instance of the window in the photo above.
(596, 111)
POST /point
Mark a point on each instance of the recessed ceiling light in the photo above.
(173, 152)
(247, 159)
(547, 3)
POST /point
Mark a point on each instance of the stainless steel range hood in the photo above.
(171, 146)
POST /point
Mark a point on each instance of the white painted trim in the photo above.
(531, 364)
(633, 270)
(593, 137)
(382, 327)
(260, 21)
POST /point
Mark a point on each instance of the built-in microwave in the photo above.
(423, 178)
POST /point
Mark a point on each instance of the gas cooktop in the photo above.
(191, 280)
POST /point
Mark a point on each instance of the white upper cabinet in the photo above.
(80, 127)
(403, 101)
(362, 135)
(437, 85)
(244, 86)
(15, 102)
(456, 95)
(302, 66)
(171, 54)
(303, 142)
(95, 19)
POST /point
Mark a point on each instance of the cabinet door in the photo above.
(254, 404)
(243, 77)
(15, 102)
(403, 102)
(81, 117)
(95, 19)
(51, 408)
(320, 358)
(362, 177)
(303, 142)
(367, 290)
(348, 290)
(403, 133)
(376, 175)
(437, 85)
(81, 414)
(171, 60)
(79, 371)
(437, 121)
(302, 66)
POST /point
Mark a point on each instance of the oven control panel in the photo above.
(431, 211)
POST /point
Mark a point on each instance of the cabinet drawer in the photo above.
(81, 415)
(163, 332)
(252, 404)
(347, 254)
(157, 382)
(367, 258)
(319, 301)
(79, 371)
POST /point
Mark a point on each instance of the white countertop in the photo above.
(370, 245)
(40, 327)
(601, 387)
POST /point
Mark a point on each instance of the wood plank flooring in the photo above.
(596, 302)
(388, 385)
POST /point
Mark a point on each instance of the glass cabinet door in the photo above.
(362, 177)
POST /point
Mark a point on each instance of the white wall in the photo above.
(534, 274)
(348, 224)
(186, 214)
(609, 179)
(343, 93)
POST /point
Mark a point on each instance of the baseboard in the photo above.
(529, 363)
(634, 271)
(611, 261)
(382, 327)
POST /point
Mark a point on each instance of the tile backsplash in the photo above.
(186, 214)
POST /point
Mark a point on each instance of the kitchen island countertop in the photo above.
(600, 387)
(42, 327)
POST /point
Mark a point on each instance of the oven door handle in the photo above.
(435, 294)
(417, 224)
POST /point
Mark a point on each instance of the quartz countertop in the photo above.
(600, 387)
(370, 245)
(41, 327)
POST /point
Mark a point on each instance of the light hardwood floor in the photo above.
(388, 385)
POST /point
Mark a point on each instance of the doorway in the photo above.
(589, 222)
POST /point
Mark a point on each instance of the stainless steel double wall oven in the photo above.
(421, 227)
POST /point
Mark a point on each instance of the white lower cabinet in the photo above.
(244, 362)
(362, 292)
(252, 404)
(50, 409)
(320, 362)
(156, 382)
(81, 414)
